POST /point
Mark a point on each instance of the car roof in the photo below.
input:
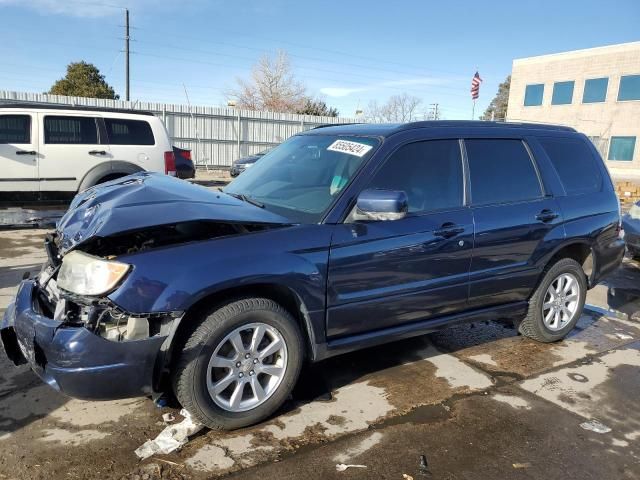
(388, 129)
(60, 106)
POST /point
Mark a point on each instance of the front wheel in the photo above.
(557, 303)
(240, 364)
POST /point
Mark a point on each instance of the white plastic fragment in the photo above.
(624, 336)
(595, 426)
(170, 439)
(168, 417)
(341, 467)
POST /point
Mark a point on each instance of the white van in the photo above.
(51, 152)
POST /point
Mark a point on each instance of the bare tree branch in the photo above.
(272, 87)
(399, 108)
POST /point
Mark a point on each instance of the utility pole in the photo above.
(126, 53)
(434, 111)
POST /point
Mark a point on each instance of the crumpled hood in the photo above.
(148, 199)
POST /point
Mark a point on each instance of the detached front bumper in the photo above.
(74, 360)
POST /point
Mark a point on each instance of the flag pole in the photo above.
(473, 110)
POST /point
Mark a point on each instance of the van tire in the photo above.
(192, 372)
(533, 325)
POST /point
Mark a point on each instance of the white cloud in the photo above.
(403, 82)
(340, 92)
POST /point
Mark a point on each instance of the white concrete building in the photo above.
(596, 91)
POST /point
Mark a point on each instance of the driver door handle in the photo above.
(546, 215)
(97, 152)
(448, 230)
(26, 152)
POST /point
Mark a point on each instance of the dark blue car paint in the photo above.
(79, 363)
(356, 284)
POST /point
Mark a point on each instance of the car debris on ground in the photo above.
(172, 438)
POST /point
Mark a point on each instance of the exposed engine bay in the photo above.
(97, 313)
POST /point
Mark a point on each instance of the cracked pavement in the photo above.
(478, 401)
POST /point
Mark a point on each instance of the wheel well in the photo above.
(109, 177)
(580, 252)
(279, 294)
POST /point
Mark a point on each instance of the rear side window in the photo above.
(70, 130)
(15, 129)
(430, 173)
(129, 132)
(501, 171)
(574, 163)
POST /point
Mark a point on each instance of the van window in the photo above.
(70, 130)
(15, 129)
(501, 170)
(574, 163)
(129, 132)
(430, 173)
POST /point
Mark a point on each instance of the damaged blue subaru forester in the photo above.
(341, 238)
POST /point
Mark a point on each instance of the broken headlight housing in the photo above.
(84, 274)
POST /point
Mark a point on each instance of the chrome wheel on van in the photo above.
(246, 367)
(561, 302)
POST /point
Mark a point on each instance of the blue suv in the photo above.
(341, 238)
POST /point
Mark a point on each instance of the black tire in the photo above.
(190, 375)
(532, 325)
(633, 253)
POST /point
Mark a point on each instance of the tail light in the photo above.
(170, 164)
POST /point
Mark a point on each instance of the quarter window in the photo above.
(629, 87)
(595, 90)
(501, 171)
(574, 163)
(70, 130)
(622, 148)
(15, 129)
(129, 132)
(533, 95)
(562, 93)
(430, 173)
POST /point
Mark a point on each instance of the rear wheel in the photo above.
(557, 303)
(240, 364)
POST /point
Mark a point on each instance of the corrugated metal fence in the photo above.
(216, 136)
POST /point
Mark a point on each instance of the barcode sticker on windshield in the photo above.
(352, 148)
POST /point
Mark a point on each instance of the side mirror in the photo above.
(381, 205)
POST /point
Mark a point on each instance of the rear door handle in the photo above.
(26, 152)
(97, 152)
(546, 215)
(448, 230)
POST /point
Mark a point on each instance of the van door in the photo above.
(70, 146)
(387, 273)
(513, 218)
(18, 156)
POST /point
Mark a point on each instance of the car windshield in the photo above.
(301, 178)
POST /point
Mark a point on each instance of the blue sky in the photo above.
(347, 52)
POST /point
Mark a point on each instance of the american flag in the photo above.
(475, 86)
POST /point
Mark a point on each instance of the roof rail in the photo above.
(64, 106)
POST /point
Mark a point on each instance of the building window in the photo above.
(629, 87)
(562, 93)
(595, 90)
(533, 95)
(621, 148)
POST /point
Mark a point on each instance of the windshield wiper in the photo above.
(245, 198)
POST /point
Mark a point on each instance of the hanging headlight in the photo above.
(87, 275)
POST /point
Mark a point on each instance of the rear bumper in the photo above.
(608, 257)
(73, 360)
(632, 240)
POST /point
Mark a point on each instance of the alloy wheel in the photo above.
(247, 367)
